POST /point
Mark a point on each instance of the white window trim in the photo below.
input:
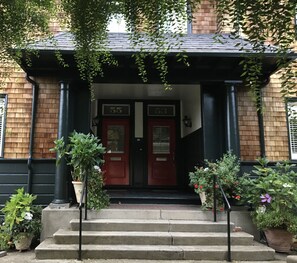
(292, 127)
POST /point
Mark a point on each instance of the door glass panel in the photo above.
(115, 138)
(161, 140)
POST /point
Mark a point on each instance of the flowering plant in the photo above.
(273, 195)
(226, 169)
(20, 215)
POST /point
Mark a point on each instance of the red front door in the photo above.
(161, 152)
(115, 137)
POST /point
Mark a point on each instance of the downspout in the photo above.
(35, 89)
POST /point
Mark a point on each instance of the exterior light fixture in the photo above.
(187, 121)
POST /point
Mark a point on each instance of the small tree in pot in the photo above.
(82, 153)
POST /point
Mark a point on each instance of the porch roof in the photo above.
(200, 44)
(210, 60)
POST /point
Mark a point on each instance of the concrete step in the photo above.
(152, 238)
(49, 250)
(150, 225)
(176, 213)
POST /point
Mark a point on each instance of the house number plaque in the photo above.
(116, 109)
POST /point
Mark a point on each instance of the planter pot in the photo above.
(279, 239)
(78, 189)
(202, 198)
(23, 241)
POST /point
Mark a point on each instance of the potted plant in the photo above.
(82, 153)
(226, 169)
(21, 220)
(272, 193)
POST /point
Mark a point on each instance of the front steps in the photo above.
(153, 235)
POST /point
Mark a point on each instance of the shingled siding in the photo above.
(14, 174)
(204, 18)
(18, 115)
(275, 122)
(248, 126)
(46, 128)
(18, 120)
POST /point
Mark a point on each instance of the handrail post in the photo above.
(86, 194)
(80, 233)
(229, 236)
(214, 198)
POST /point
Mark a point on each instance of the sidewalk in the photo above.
(29, 257)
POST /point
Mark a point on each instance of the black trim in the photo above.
(14, 174)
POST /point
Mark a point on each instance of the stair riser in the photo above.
(152, 240)
(92, 226)
(155, 255)
(156, 214)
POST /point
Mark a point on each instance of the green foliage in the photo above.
(82, 153)
(226, 169)
(273, 195)
(97, 196)
(20, 216)
(20, 23)
(260, 21)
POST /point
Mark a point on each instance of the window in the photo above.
(117, 24)
(3, 100)
(292, 126)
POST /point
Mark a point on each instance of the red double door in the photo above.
(161, 144)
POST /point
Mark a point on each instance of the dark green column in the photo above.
(61, 188)
(232, 129)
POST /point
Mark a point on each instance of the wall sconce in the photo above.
(95, 121)
(187, 121)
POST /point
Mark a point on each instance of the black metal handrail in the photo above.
(80, 207)
(227, 207)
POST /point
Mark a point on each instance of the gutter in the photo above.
(35, 89)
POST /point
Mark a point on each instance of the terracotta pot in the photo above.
(23, 241)
(279, 239)
(78, 189)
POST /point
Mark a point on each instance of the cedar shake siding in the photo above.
(248, 126)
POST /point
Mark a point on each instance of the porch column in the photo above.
(232, 129)
(61, 188)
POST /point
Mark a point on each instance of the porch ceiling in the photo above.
(209, 60)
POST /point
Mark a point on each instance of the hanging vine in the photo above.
(154, 27)
(263, 23)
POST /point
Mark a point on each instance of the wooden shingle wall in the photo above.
(204, 18)
(18, 114)
(248, 126)
(275, 122)
(47, 117)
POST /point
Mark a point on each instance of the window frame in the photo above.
(3, 116)
(293, 102)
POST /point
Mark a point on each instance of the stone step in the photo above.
(49, 250)
(176, 213)
(152, 238)
(150, 225)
